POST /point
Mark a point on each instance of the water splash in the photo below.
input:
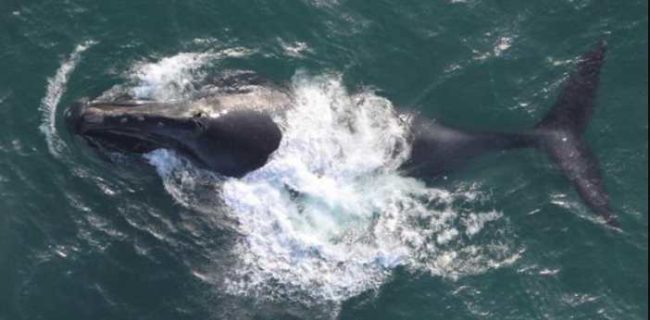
(175, 77)
(171, 78)
(330, 215)
(56, 87)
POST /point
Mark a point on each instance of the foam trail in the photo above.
(56, 87)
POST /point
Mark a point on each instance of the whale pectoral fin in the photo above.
(560, 133)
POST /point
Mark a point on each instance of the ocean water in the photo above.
(94, 236)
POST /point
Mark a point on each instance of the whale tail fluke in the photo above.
(575, 105)
(560, 133)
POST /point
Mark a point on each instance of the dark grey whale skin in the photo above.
(437, 148)
(242, 139)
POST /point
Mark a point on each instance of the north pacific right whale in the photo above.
(231, 130)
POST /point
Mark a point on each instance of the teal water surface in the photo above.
(85, 238)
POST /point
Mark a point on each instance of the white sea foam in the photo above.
(167, 79)
(330, 215)
(503, 44)
(294, 49)
(174, 77)
(56, 87)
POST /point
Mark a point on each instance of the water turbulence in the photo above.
(330, 216)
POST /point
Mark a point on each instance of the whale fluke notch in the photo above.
(561, 131)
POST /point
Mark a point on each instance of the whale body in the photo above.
(232, 131)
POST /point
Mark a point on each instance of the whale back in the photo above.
(438, 149)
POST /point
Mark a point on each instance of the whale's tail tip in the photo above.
(560, 133)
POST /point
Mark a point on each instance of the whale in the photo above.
(231, 129)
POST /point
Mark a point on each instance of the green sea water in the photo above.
(86, 238)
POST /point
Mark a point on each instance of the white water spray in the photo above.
(330, 216)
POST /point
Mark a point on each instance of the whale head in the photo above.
(231, 140)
